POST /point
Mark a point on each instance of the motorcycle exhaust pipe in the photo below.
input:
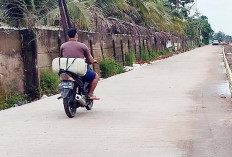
(81, 100)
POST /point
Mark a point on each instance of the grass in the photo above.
(165, 52)
(15, 98)
(3, 104)
(153, 55)
(172, 49)
(49, 85)
(144, 56)
(110, 67)
(129, 58)
(8, 101)
(49, 82)
(191, 47)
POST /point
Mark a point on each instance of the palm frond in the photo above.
(80, 14)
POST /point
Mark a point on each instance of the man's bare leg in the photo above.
(93, 85)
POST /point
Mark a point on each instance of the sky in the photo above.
(219, 13)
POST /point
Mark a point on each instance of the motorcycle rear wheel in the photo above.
(89, 105)
(70, 106)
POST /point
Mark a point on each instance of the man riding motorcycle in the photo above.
(75, 49)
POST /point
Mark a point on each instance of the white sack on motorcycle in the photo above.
(74, 65)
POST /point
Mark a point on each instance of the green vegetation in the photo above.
(165, 52)
(153, 55)
(8, 101)
(191, 47)
(220, 36)
(129, 58)
(110, 67)
(49, 82)
(171, 49)
(3, 104)
(15, 98)
(144, 56)
(198, 27)
(171, 16)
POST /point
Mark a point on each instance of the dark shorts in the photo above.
(89, 76)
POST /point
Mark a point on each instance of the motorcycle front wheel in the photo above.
(70, 105)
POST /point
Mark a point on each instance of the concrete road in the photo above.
(176, 107)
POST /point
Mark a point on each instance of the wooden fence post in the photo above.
(135, 47)
(148, 49)
(140, 48)
(114, 50)
(129, 47)
(91, 49)
(101, 46)
(144, 45)
(123, 60)
(155, 45)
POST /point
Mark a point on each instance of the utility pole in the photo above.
(196, 6)
(198, 26)
(65, 18)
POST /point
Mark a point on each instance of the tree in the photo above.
(197, 27)
(220, 36)
(206, 30)
(171, 16)
(180, 2)
(21, 13)
(192, 30)
(228, 38)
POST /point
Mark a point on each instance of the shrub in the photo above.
(8, 101)
(153, 55)
(3, 105)
(129, 58)
(144, 56)
(191, 47)
(110, 67)
(49, 82)
(2, 98)
(172, 49)
(15, 98)
(165, 52)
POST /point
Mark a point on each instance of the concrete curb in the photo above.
(228, 70)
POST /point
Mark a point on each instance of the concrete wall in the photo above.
(47, 48)
(35, 50)
(11, 65)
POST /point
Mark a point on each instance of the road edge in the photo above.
(228, 70)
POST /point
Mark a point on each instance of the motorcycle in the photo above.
(74, 92)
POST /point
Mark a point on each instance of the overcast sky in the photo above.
(219, 13)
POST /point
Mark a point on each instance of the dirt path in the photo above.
(173, 108)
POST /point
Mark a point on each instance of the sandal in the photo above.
(93, 97)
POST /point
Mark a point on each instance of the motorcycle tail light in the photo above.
(65, 77)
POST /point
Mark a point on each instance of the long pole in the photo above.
(65, 19)
(67, 14)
